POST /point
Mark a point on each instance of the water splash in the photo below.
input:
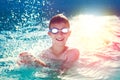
(23, 13)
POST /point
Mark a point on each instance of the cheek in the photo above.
(51, 36)
(67, 35)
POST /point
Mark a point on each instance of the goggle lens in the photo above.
(55, 30)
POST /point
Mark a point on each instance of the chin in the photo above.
(61, 44)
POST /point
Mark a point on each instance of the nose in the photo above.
(60, 33)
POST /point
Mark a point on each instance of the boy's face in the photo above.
(59, 38)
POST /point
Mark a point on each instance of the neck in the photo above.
(57, 50)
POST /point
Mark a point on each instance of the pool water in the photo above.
(23, 27)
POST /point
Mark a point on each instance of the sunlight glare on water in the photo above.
(99, 45)
(95, 31)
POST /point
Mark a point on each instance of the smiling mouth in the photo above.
(60, 39)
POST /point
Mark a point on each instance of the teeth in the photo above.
(59, 39)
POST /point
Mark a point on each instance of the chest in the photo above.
(50, 56)
(54, 61)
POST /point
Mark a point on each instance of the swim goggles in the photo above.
(56, 30)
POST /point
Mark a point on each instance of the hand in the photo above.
(40, 63)
(25, 58)
(28, 59)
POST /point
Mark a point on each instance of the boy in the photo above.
(58, 53)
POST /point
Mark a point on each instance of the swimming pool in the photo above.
(23, 27)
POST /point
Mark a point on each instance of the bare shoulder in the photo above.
(73, 51)
(72, 54)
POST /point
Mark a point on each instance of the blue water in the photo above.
(23, 27)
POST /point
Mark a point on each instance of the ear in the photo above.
(69, 33)
(49, 33)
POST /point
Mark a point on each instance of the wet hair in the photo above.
(59, 18)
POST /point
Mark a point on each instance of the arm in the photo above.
(71, 57)
(26, 58)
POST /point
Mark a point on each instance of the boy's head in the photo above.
(59, 18)
(59, 29)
